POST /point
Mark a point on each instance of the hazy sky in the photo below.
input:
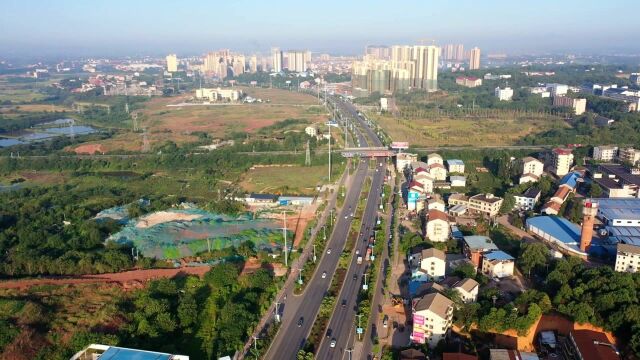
(137, 27)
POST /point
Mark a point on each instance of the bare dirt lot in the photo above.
(122, 278)
(178, 123)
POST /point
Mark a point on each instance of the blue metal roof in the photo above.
(455, 162)
(479, 242)
(571, 179)
(557, 227)
(498, 255)
(118, 353)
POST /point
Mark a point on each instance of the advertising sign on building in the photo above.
(418, 319)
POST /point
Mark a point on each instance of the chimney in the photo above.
(589, 212)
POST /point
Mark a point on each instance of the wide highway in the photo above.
(298, 313)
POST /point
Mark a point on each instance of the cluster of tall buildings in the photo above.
(407, 67)
(223, 63)
(455, 52)
(292, 60)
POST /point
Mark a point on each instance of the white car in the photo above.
(324, 274)
(332, 343)
(357, 252)
(329, 251)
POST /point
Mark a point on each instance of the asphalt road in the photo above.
(298, 313)
(342, 323)
(343, 318)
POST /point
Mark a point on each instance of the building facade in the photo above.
(437, 226)
(172, 63)
(627, 258)
(605, 153)
(561, 161)
(474, 59)
(432, 318)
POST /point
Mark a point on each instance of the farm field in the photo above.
(463, 131)
(294, 180)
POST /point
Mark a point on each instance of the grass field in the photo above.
(21, 92)
(287, 180)
(466, 131)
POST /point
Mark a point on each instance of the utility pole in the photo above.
(359, 317)
(314, 252)
(329, 153)
(255, 345)
(284, 232)
(277, 312)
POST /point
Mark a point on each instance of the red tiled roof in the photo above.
(553, 205)
(437, 214)
(436, 165)
(562, 193)
(561, 151)
(420, 169)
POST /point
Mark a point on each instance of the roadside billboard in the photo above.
(399, 145)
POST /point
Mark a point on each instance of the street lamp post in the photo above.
(349, 351)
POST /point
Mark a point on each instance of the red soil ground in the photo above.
(125, 279)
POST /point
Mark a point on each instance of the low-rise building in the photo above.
(219, 94)
(505, 94)
(475, 246)
(458, 181)
(438, 171)
(531, 165)
(468, 81)
(426, 180)
(527, 200)
(404, 160)
(437, 228)
(627, 258)
(497, 264)
(434, 158)
(579, 106)
(458, 356)
(435, 203)
(99, 351)
(629, 155)
(433, 263)
(605, 152)
(432, 318)
(455, 166)
(617, 181)
(592, 345)
(485, 204)
(527, 178)
(468, 289)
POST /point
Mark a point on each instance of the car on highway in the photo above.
(329, 331)
(324, 274)
(300, 321)
(333, 343)
(329, 251)
(357, 252)
(344, 302)
(355, 276)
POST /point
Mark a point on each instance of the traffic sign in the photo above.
(359, 331)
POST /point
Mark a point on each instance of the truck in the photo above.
(359, 260)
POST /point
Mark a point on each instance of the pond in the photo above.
(46, 131)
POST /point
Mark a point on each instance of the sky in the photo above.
(191, 27)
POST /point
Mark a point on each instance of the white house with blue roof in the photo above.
(497, 264)
(455, 166)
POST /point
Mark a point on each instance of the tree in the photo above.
(595, 191)
(534, 254)
(187, 312)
